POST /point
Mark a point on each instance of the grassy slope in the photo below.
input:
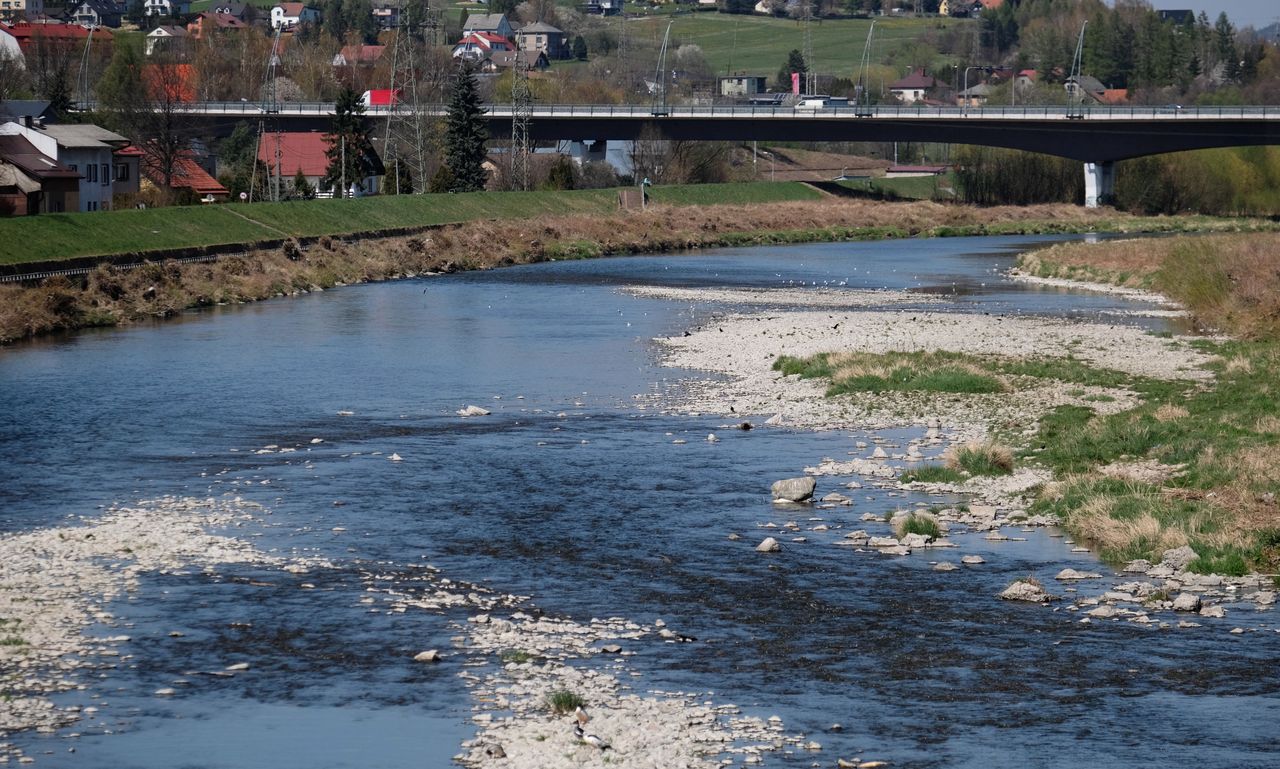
(760, 44)
(60, 236)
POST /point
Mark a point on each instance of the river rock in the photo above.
(1186, 602)
(711, 438)
(430, 655)
(774, 420)
(1213, 611)
(1178, 558)
(879, 453)
(914, 540)
(1138, 567)
(794, 489)
(896, 550)
(883, 542)
(1072, 574)
(1023, 590)
(1265, 597)
(945, 566)
(1103, 612)
(972, 560)
(769, 545)
(473, 411)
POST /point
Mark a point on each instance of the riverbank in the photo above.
(111, 295)
(1155, 450)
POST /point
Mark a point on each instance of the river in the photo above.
(573, 491)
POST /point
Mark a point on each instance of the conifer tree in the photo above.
(465, 134)
(350, 152)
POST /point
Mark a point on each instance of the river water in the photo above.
(572, 492)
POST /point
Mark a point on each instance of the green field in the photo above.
(64, 236)
(760, 44)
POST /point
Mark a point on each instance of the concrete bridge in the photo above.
(1095, 136)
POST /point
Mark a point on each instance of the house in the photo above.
(95, 13)
(742, 85)
(16, 109)
(959, 8)
(540, 36)
(493, 23)
(55, 34)
(915, 87)
(602, 7)
(21, 10)
(186, 175)
(530, 60)
(975, 96)
(305, 152)
(127, 174)
(289, 15)
(86, 149)
(32, 182)
(1083, 89)
(361, 55)
(167, 7)
(478, 46)
(208, 23)
(9, 48)
(387, 14)
(167, 39)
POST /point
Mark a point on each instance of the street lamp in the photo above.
(987, 68)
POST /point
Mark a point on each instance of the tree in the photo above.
(399, 180)
(145, 103)
(561, 175)
(1225, 36)
(442, 181)
(795, 63)
(579, 48)
(302, 189)
(350, 151)
(465, 134)
(137, 13)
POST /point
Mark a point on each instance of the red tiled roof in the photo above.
(1114, 96)
(366, 54)
(299, 151)
(26, 31)
(292, 9)
(989, 4)
(917, 79)
(186, 174)
(128, 152)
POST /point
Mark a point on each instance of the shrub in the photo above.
(563, 701)
(986, 458)
(919, 523)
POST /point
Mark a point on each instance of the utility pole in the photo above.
(810, 76)
(660, 76)
(521, 115)
(863, 102)
(344, 166)
(1077, 93)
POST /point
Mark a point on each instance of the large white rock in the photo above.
(473, 411)
(1072, 574)
(430, 655)
(973, 560)
(1026, 591)
(794, 489)
(769, 545)
(1186, 602)
(1178, 558)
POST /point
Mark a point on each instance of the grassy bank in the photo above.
(1194, 463)
(61, 236)
(112, 295)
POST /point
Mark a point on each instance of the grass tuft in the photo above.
(919, 523)
(986, 458)
(932, 474)
(563, 701)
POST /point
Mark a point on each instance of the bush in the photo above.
(563, 701)
(919, 523)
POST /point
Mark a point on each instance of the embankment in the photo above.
(110, 295)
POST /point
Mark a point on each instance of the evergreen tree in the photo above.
(350, 152)
(1225, 38)
(137, 12)
(561, 176)
(58, 92)
(795, 63)
(442, 181)
(465, 134)
(580, 48)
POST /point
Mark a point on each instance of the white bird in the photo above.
(581, 714)
(590, 739)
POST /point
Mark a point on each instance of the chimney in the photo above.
(26, 121)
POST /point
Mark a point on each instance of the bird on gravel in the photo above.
(581, 714)
(590, 739)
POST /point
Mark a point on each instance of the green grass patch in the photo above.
(563, 701)
(517, 656)
(981, 459)
(12, 640)
(738, 193)
(888, 372)
(932, 474)
(921, 523)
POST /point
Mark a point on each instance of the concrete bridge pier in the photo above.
(1099, 183)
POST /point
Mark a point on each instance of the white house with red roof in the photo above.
(915, 87)
(290, 15)
(478, 46)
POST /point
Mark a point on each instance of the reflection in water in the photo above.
(573, 492)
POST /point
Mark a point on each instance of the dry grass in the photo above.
(1268, 425)
(1095, 522)
(1169, 412)
(980, 458)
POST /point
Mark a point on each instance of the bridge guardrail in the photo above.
(729, 112)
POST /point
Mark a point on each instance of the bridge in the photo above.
(1095, 136)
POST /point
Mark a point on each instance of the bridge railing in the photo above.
(729, 112)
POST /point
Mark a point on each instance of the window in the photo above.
(122, 172)
(73, 167)
(106, 175)
(91, 173)
(93, 205)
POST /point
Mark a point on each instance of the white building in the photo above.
(167, 7)
(84, 148)
(290, 15)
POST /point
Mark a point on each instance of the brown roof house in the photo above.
(32, 182)
(915, 87)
